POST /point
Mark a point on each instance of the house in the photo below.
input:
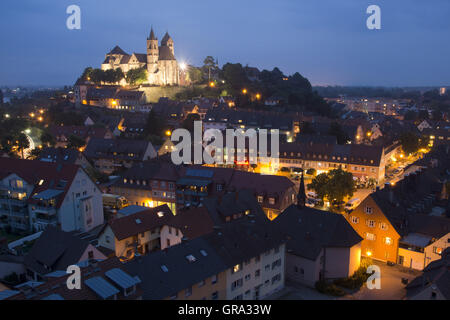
(424, 125)
(167, 147)
(64, 156)
(109, 155)
(434, 283)
(55, 250)
(396, 225)
(35, 194)
(135, 234)
(100, 280)
(320, 245)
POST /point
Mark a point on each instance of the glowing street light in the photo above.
(183, 66)
(168, 133)
(32, 115)
(212, 84)
(7, 115)
(244, 91)
(258, 96)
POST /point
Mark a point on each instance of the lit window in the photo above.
(388, 241)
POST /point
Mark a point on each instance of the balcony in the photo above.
(47, 210)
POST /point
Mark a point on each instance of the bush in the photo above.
(329, 289)
(357, 279)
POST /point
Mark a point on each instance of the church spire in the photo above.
(152, 34)
(301, 196)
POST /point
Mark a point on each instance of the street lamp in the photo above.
(244, 91)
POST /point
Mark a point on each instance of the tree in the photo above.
(75, 142)
(195, 74)
(22, 143)
(136, 76)
(410, 142)
(155, 125)
(334, 185)
(209, 67)
(47, 139)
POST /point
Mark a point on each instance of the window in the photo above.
(91, 254)
(437, 250)
(215, 295)
(260, 199)
(214, 279)
(355, 219)
(236, 284)
(276, 278)
(201, 283)
(370, 236)
(267, 267)
(271, 200)
(383, 226)
(257, 273)
(388, 241)
(368, 210)
(247, 277)
(188, 292)
(371, 223)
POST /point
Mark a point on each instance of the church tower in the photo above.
(152, 53)
(167, 41)
(301, 196)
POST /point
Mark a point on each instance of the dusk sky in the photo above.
(327, 41)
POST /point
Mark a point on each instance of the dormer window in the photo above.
(271, 200)
(260, 199)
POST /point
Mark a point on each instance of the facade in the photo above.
(36, 194)
(159, 61)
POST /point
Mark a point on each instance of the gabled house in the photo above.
(320, 245)
(55, 250)
(135, 234)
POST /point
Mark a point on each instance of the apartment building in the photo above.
(35, 194)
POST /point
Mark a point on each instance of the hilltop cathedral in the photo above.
(160, 62)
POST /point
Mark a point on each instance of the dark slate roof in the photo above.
(308, 231)
(59, 155)
(141, 57)
(231, 244)
(141, 221)
(105, 148)
(165, 53)
(117, 50)
(437, 273)
(56, 249)
(147, 171)
(158, 284)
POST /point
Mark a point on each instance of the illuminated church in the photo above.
(159, 61)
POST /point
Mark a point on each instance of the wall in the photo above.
(296, 264)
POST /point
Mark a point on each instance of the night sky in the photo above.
(325, 40)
